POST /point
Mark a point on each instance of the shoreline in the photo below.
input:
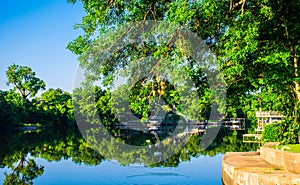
(249, 168)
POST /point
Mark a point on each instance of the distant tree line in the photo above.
(21, 105)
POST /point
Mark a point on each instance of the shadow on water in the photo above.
(18, 151)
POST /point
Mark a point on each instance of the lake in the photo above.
(62, 156)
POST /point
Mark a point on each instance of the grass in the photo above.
(289, 148)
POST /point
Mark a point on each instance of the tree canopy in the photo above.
(24, 80)
(256, 44)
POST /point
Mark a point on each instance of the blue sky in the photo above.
(35, 33)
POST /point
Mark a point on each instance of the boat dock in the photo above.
(263, 118)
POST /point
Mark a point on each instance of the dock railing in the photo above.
(267, 114)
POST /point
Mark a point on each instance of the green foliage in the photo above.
(285, 132)
(104, 106)
(258, 58)
(52, 108)
(56, 105)
(144, 97)
(106, 19)
(273, 133)
(24, 80)
(12, 109)
(24, 173)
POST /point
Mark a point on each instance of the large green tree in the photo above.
(256, 43)
(258, 53)
(24, 80)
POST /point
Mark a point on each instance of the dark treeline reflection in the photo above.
(18, 151)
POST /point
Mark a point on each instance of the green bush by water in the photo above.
(285, 132)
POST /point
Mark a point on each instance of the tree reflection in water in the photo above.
(24, 172)
(54, 145)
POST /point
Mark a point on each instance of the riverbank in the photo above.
(249, 168)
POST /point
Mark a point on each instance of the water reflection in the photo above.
(23, 172)
(18, 152)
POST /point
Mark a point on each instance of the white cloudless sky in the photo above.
(35, 33)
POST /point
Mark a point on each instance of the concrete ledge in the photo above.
(249, 168)
(281, 159)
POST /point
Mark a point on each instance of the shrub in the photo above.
(272, 133)
(285, 132)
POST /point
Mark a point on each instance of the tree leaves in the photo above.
(256, 43)
(24, 80)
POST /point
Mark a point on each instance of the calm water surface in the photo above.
(202, 170)
(65, 158)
